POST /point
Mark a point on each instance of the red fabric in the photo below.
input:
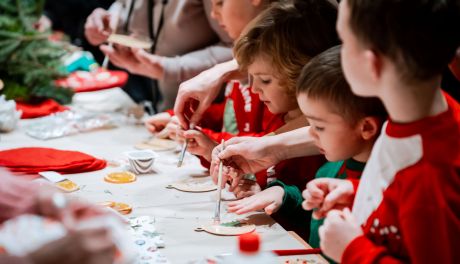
(82, 81)
(418, 220)
(44, 108)
(34, 160)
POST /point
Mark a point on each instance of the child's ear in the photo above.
(375, 64)
(370, 127)
(256, 2)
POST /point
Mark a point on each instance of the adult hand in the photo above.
(92, 246)
(325, 194)
(197, 94)
(97, 26)
(269, 200)
(338, 230)
(247, 154)
(149, 64)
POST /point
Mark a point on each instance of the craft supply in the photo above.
(219, 189)
(120, 177)
(101, 79)
(68, 123)
(59, 181)
(157, 144)
(122, 208)
(129, 41)
(293, 252)
(249, 252)
(184, 148)
(195, 185)
(114, 27)
(296, 261)
(148, 241)
(9, 116)
(141, 161)
(234, 228)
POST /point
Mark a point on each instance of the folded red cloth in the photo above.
(82, 81)
(34, 160)
(44, 108)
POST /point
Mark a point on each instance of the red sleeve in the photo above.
(425, 200)
(170, 112)
(212, 117)
(206, 164)
(355, 183)
(362, 250)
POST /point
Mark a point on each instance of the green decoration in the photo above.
(29, 61)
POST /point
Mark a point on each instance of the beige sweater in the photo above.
(190, 39)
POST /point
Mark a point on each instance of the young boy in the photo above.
(407, 206)
(344, 127)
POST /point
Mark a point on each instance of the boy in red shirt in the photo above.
(407, 206)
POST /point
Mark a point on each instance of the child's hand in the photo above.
(325, 194)
(338, 230)
(229, 174)
(157, 122)
(172, 129)
(199, 143)
(246, 188)
(269, 200)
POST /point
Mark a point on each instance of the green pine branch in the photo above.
(29, 62)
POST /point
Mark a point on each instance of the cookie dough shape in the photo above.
(234, 228)
(120, 177)
(195, 185)
(129, 41)
(158, 144)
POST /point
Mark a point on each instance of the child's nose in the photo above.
(255, 88)
(312, 132)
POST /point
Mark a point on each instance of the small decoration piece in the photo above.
(233, 228)
(158, 144)
(60, 181)
(129, 41)
(120, 177)
(147, 240)
(195, 185)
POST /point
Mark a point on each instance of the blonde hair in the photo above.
(289, 33)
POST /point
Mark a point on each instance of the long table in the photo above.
(176, 213)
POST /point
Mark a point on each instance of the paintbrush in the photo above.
(105, 63)
(219, 188)
(184, 149)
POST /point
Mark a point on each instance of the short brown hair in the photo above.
(419, 36)
(322, 78)
(290, 33)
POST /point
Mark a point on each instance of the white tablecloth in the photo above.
(177, 213)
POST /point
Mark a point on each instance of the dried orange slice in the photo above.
(120, 177)
(122, 208)
(67, 185)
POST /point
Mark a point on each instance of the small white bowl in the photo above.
(141, 161)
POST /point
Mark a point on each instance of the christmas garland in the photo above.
(29, 61)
